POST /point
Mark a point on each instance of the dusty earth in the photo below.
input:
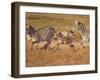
(64, 55)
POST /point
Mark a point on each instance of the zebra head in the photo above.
(29, 31)
(76, 22)
(79, 27)
(76, 25)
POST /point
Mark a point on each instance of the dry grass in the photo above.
(58, 21)
(62, 56)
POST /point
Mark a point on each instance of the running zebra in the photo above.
(43, 34)
(68, 39)
(81, 28)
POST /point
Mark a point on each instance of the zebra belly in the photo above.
(34, 39)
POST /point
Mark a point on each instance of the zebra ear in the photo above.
(27, 25)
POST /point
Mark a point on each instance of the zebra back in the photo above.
(46, 33)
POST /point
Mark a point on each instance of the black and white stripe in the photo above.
(67, 39)
(81, 28)
(43, 34)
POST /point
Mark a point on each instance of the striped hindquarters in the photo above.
(47, 33)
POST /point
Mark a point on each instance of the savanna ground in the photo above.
(55, 57)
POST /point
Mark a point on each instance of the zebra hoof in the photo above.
(31, 48)
(84, 47)
(43, 48)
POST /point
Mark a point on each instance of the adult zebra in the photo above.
(81, 28)
(67, 38)
(43, 34)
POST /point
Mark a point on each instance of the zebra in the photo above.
(68, 39)
(81, 28)
(60, 38)
(43, 34)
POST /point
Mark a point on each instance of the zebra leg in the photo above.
(33, 44)
(57, 46)
(73, 47)
(82, 43)
(46, 45)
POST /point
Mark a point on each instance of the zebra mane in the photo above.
(40, 28)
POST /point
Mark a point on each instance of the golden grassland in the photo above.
(62, 56)
(58, 21)
(55, 57)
